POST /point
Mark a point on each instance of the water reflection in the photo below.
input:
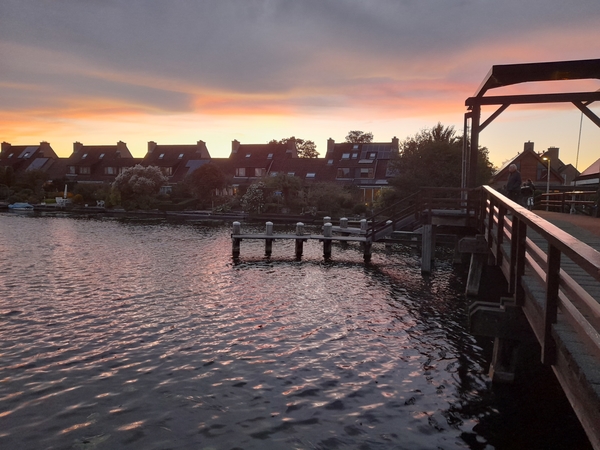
(149, 336)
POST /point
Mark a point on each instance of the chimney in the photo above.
(291, 148)
(5, 147)
(528, 146)
(395, 144)
(151, 146)
(235, 146)
(77, 146)
(330, 146)
(44, 149)
(201, 150)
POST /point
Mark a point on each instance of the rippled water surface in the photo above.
(122, 334)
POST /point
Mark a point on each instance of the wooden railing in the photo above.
(518, 255)
(580, 201)
(422, 205)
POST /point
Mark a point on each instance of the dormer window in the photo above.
(84, 156)
(345, 155)
(180, 156)
(161, 156)
(270, 156)
(101, 155)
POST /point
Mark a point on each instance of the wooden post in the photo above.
(237, 230)
(551, 307)
(299, 242)
(269, 242)
(344, 222)
(363, 225)
(326, 220)
(327, 232)
(367, 251)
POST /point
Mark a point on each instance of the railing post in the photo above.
(551, 307)
(520, 270)
(514, 246)
(500, 233)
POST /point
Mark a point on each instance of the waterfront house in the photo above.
(22, 158)
(98, 163)
(176, 161)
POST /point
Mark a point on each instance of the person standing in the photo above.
(513, 185)
(528, 191)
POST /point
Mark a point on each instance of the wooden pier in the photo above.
(349, 234)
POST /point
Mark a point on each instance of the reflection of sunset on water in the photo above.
(145, 334)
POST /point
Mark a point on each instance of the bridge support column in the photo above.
(479, 250)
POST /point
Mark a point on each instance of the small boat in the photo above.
(20, 207)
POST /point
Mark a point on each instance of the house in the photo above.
(532, 166)
(22, 158)
(176, 161)
(366, 165)
(568, 172)
(250, 162)
(590, 176)
(98, 163)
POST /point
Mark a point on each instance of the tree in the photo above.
(359, 137)
(138, 185)
(306, 149)
(290, 187)
(433, 158)
(253, 201)
(206, 180)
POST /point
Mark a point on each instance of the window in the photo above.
(330, 162)
(355, 147)
(101, 155)
(372, 155)
(366, 173)
(180, 156)
(84, 156)
(11, 155)
(161, 156)
(71, 169)
(354, 155)
(291, 174)
(273, 174)
(110, 170)
(167, 171)
(345, 155)
(310, 175)
(240, 172)
(26, 155)
(259, 172)
(85, 170)
(270, 156)
(343, 172)
(247, 155)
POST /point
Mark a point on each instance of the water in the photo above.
(147, 335)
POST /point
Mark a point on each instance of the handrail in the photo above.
(561, 292)
(422, 203)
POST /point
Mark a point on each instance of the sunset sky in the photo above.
(179, 71)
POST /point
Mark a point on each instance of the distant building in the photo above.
(176, 161)
(590, 176)
(98, 163)
(532, 166)
(22, 158)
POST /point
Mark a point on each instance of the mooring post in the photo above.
(269, 242)
(344, 222)
(363, 225)
(237, 230)
(326, 220)
(327, 232)
(427, 245)
(299, 242)
(367, 250)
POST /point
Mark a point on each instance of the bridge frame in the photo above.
(505, 75)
